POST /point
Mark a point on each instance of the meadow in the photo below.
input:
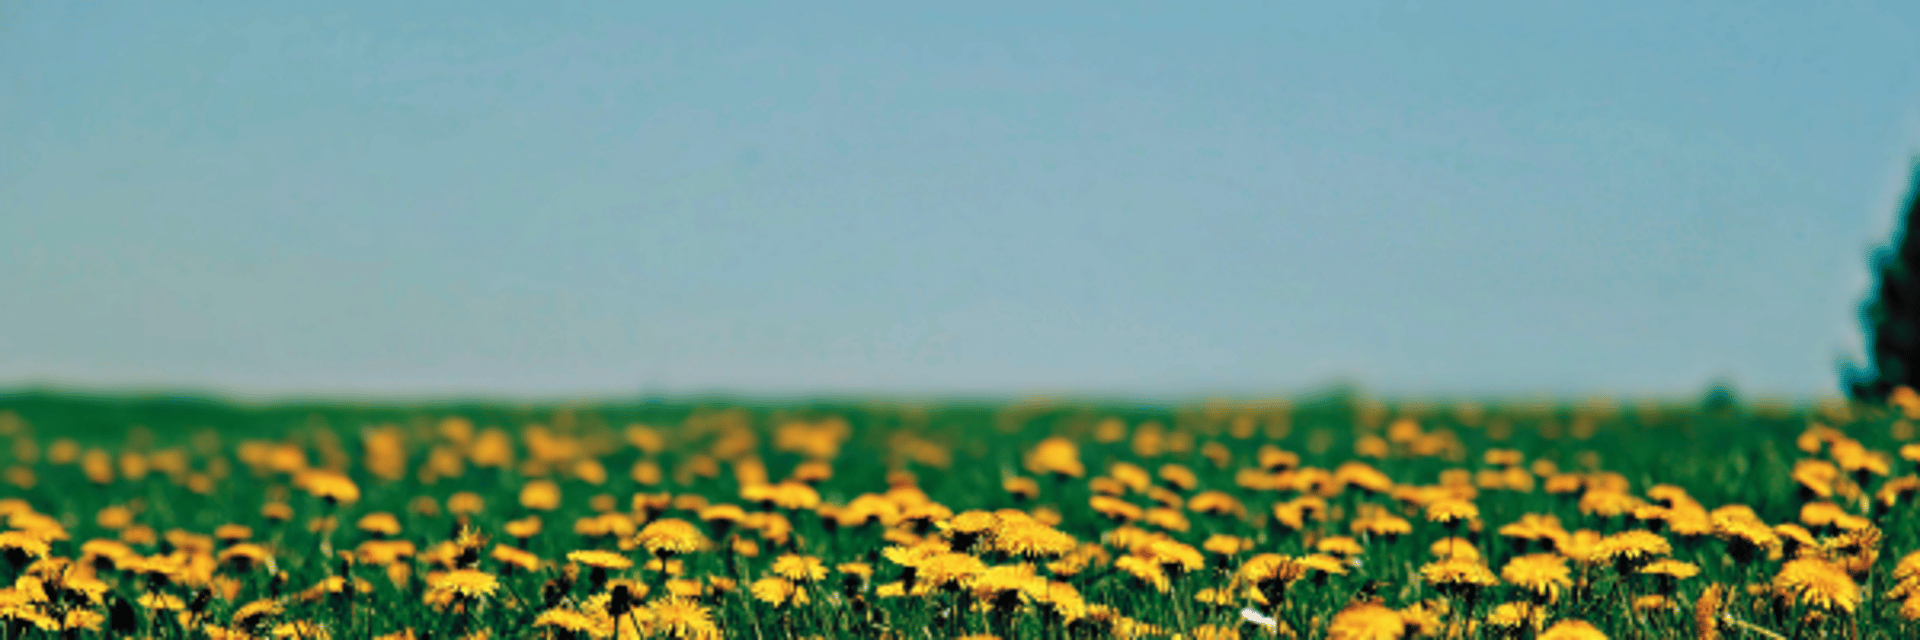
(1332, 516)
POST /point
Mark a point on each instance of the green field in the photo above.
(1331, 516)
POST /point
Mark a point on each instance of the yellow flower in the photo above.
(1342, 546)
(1544, 574)
(1366, 621)
(1451, 511)
(1218, 503)
(1021, 487)
(1146, 571)
(778, 591)
(571, 621)
(245, 556)
(1325, 564)
(1632, 546)
(1226, 545)
(682, 618)
(1818, 583)
(1514, 616)
(950, 570)
(600, 559)
(1608, 503)
(523, 528)
(1028, 538)
(1572, 630)
(161, 602)
(1747, 537)
(256, 612)
(1058, 456)
(1462, 548)
(1706, 612)
(23, 545)
(1458, 574)
(1652, 603)
(1910, 608)
(1533, 527)
(1675, 569)
(672, 536)
(330, 486)
(1386, 526)
(231, 533)
(800, 568)
(1115, 508)
(380, 523)
(465, 583)
(540, 495)
(1360, 474)
(301, 629)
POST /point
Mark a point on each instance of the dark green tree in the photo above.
(1891, 314)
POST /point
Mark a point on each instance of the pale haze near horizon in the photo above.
(609, 198)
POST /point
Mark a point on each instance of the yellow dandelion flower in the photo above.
(332, 487)
(256, 612)
(1675, 569)
(1632, 546)
(1343, 546)
(540, 495)
(231, 533)
(523, 528)
(302, 629)
(572, 622)
(1533, 527)
(1146, 571)
(1454, 548)
(1387, 526)
(1543, 574)
(1706, 612)
(598, 559)
(1217, 503)
(1058, 456)
(949, 570)
(1021, 487)
(1178, 477)
(464, 583)
(1572, 630)
(1910, 608)
(1818, 583)
(1515, 616)
(672, 536)
(800, 568)
(1325, 564)
(1226, 545)
(1653, 603)
(1451, 512)
(1460, 574)
(682, 619)
(1116, 509)
(245, 556)
(778, 592)
(1366, 621)
(1029, 538)
(1608, 503)
(380, 523)
(20, 546)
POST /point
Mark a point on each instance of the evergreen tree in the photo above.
(1891, 315)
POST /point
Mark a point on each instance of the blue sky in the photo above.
(477, 197)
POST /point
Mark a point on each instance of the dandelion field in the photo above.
(1321, 517)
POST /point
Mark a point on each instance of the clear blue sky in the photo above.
(467, 197)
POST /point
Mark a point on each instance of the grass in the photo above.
(1154, 521)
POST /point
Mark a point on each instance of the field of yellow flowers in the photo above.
(1327, 517)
